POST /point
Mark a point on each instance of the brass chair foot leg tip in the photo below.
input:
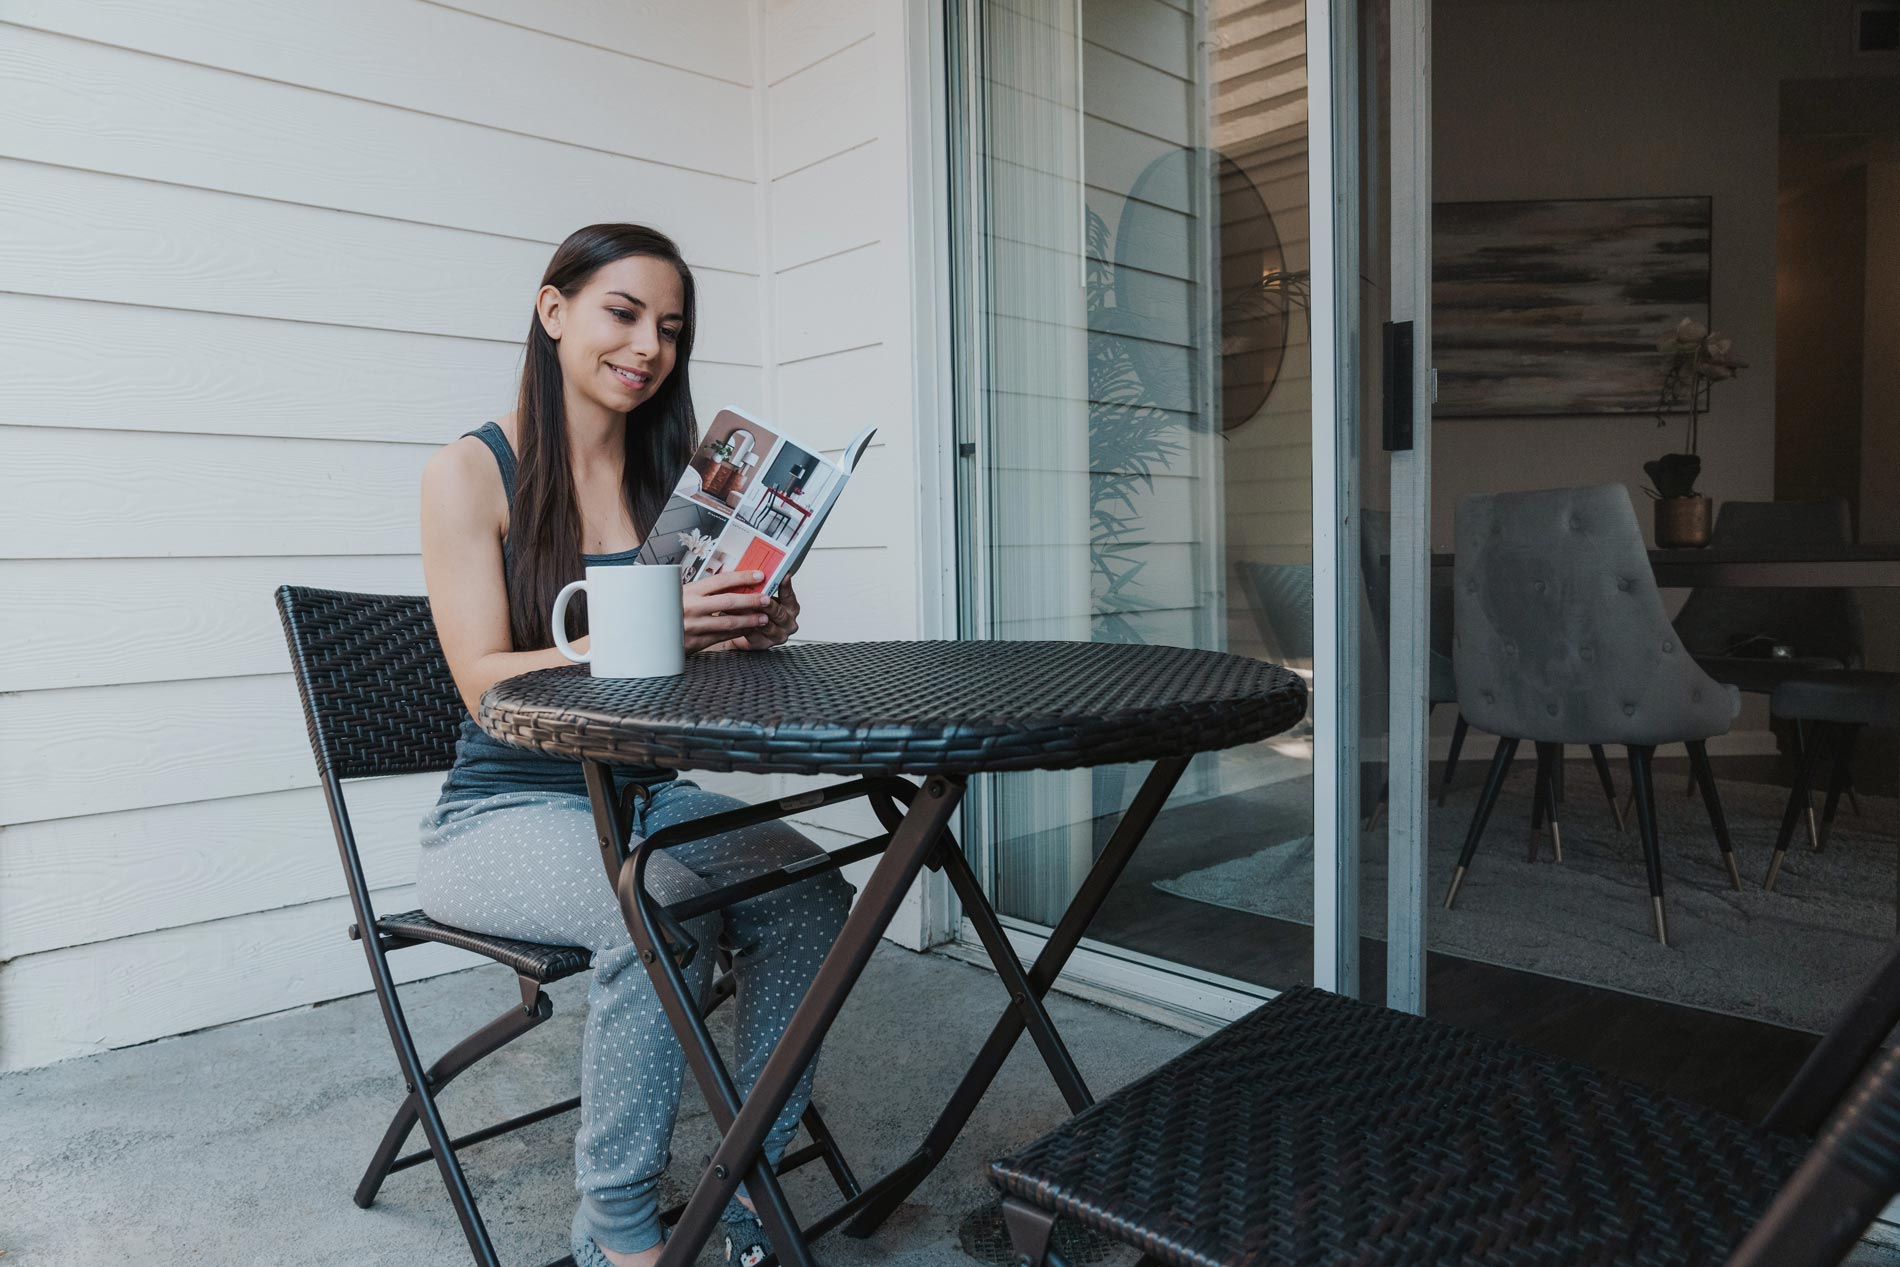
(1451, 894)
(1734, 872)
(1556, 843)
(1774, 870)
(1662, 924)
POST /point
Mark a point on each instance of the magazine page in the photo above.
(750, 499)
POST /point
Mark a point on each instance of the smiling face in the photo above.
(619, 334)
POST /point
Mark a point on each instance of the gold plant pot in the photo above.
(1683, 521)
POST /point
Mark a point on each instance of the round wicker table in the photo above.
(874, 711)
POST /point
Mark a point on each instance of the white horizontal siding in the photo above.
(86, 999)
(217, 374)
(257, 260)
(436, 60)
(84, 235)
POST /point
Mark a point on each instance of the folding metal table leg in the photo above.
(676, 1000)
(888, 1193)
(740, 1153)
(1009, 968)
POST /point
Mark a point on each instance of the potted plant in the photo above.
(1694, 359)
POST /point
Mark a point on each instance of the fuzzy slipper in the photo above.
(746, 1242)
(580, 1243)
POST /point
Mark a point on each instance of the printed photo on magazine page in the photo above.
(751, 498)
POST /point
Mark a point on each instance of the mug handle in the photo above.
(560, 622)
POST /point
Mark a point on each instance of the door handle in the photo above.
(1397, 340)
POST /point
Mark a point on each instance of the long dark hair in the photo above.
(544, 521)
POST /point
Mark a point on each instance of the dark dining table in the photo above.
(1874, 565)
(872, 713)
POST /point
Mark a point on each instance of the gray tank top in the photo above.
(485, 766)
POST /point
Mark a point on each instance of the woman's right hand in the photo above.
(716, 614)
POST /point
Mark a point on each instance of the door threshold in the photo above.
(1191, 1001)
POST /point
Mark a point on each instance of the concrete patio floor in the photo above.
(241, 1145)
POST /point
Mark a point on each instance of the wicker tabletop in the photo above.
(904, 708)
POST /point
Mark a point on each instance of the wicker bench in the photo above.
(1320, 1130)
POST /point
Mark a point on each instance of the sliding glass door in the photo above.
(1140, 364)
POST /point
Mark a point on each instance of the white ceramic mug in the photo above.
(635, 620)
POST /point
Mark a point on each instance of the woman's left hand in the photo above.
(781, 623)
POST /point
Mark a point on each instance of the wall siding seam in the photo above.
(308, 321)
(829, 255)
(576, 40)
(853, 148)
(816, 62)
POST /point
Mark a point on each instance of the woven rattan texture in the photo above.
(904, 708)
(377, 695)
(531, 959)
(1320, 1130)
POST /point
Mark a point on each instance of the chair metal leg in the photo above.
(1797, 801)
(1643, 784)
(1030, 1230)
(1458, 730)
(1712, 799)
(1545, 799)
(498, 1033)
(1377, 815)
(1602, 763)
(1493, 783)
(1802, 741)
(415, 1077)
(1842, 742)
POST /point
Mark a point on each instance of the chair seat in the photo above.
(1760, 675)
(1321, 1130)
(531, 959)
(1850, 696)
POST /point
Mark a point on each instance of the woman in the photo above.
(511, 512)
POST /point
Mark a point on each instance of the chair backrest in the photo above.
(1717, 620)
(377, 694)
(1281, 595)
(1559, 634)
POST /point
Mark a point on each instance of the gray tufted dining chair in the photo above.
(1561, 638)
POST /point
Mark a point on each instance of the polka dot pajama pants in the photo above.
(524, 865)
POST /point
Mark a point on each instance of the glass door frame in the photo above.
(1341, 107)
(1171, 992)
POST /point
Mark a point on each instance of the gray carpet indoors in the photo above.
(1790, 957)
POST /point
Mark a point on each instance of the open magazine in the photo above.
(751, 499)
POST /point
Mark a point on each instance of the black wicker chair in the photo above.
(378, 700)
(1321, 1130)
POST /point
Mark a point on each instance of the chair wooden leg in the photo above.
(1842, 743)
(1493, 783)
(1643, 785)
(1602, 763)
(1459, 727)
(1797, 801)
(1705, 775)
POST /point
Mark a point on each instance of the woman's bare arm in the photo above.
(464, 515)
